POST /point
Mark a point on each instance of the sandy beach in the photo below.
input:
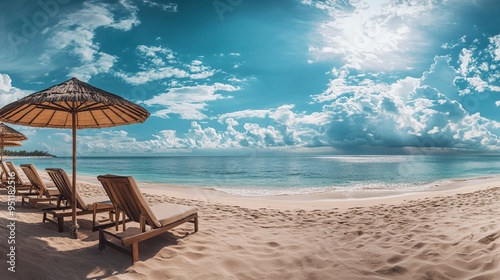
(449, 233)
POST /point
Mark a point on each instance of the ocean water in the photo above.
(262, 175)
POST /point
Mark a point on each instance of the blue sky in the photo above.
(288, 76)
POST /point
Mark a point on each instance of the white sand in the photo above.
(447, 234)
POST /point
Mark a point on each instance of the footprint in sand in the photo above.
(489, 238)
(396, 259)
(393, 270)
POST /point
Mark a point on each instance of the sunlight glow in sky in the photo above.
(308, 76)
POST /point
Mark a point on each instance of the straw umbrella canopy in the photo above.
(11, 144)
(76, 105)
(8, 134)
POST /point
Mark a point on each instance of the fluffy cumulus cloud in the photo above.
(9, 93)
(166, 140)
(247, 135)
(102, 142)
(429, 111)
(286, 127)
(197, 137)
(75, 35)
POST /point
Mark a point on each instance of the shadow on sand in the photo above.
(41, 252)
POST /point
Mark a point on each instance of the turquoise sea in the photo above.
(265, 175)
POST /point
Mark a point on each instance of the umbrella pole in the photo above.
(74, 226)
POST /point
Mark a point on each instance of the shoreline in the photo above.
(258, 176)
(325, 200)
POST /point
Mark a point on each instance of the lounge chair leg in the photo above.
(117, 219)
(123, 222)
(196, 223)
(44, 217)
(60, 223)
(94, 214)
(102, 244)
(135, 252)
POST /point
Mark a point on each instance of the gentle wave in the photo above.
(402, 187)
(367, 159)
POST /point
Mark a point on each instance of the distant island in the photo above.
(23, 153)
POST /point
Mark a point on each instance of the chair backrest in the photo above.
(125, 195)
(12, 168)
(63, 184)
(5, 169)
(35, 179)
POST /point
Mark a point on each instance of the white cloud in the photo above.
(66, 137)
(202, 75)
(338, 87)
(200, 71)
(478, 84)
(9, 93)
(102, 64)
(478, 70)
(157, 54)
(166, 140)
(189, 102)
(494, 47)
(113, 141)
(409, 112)
(196, 62)
(465, 59)
(372, 35)
(251, 135)
(449, 46)
(126, 23)
(205, 138)
(168, 7)
(160, 73)
(119, 141)
(249, 113)
(5, 82)
(154, 67)
(282, 115)
(74, 34)
(247, 135)
(287, 127)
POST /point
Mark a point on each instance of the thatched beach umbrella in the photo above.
(11, 144)
(76, 105)
(8, 135)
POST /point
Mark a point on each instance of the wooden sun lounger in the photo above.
(47, 191)
(127, 198)
(84, 205)
(21, 186)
